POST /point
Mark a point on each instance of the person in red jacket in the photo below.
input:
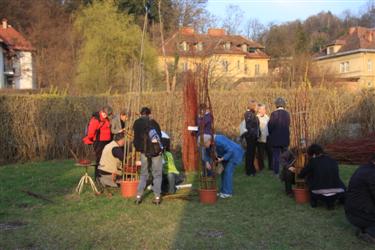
(99, 133)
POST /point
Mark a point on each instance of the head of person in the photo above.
(262, 109)
(203, 108)
(106, 112)
(207, 140)
(252, 105)
(314, 150)
(145, 111)
(280, 102)
(119, 139)
(124, 115)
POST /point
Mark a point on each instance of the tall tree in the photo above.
(110, 49)
(254, 29)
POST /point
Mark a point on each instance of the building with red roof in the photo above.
(350, 57)
(228, 56)
(16, 59)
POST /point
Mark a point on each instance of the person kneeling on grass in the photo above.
(111, 161)
(360, 201)
(322, 177)
(230, 155)
(171, 176)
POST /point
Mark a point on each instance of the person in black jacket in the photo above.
(360, 201)
(251, 136)
(278, 129)
(147, 141)
(322, 177)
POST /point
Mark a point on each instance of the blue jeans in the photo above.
(227, 178)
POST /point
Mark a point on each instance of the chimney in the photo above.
(216, 32)
(187, 31)
(5, 23)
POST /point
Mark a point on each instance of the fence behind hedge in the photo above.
(41, 127)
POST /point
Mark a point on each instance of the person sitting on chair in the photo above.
(111, 161)
(360, 201)
(322, 177)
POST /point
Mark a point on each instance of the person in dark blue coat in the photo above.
(278, 129)
(230, 154)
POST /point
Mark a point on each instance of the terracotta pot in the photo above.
(208, 196)
(301, 195)
(129, 188)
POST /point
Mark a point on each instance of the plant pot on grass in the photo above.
(129, 188)
(208, 190)
(301, 193)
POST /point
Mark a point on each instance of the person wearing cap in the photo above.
(360, 201)
(99, 133)
(118, 122)
(230, 154)
(111, 161)
(278, 129)
(147, 141)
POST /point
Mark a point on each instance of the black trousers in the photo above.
(366, 222)
(328, 200)
(250, 156)
(263, 150)
(98, 149)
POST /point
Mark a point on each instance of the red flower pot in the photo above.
(129, 188)
(301, 195)
(208, 196)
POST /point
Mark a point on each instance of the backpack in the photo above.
(153, 145)
(96, 116)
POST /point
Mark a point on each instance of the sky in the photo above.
(279, 11)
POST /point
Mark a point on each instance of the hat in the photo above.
(280, 102)
(145, 111)
(119, 136)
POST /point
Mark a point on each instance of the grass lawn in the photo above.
(258, 216)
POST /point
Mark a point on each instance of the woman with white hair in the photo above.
(230, 155)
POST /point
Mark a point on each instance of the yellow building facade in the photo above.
(225, 56)
(351, 58)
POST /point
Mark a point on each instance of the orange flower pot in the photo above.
(208, 196)
(129, 188)
(301, 195)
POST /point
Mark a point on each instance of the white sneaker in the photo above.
(224, 196)
(219, 194)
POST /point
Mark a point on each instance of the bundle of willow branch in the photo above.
(353, 151)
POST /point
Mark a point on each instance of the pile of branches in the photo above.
(353, 151)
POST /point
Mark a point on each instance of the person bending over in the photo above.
(360, 201)
(230, 155)
(111, 161)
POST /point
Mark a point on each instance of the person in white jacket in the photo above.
(263, 147)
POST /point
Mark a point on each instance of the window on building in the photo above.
(330, 50)
(257, 69)
(244, 47)
(227, 45)
(369, 66)
(184, 46)
(238, 64)
(346, 67)
(369, 84)
(199, 46)
(225, 66)
(185, 66)
(245, 69)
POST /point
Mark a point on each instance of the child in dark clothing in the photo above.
(287, 160)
